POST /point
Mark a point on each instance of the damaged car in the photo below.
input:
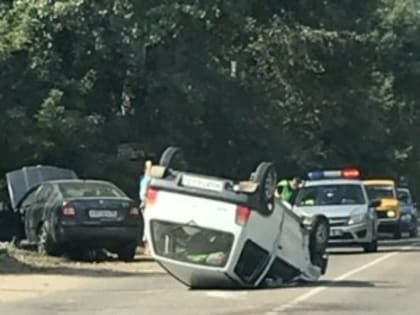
(62, 213)
(211, 232)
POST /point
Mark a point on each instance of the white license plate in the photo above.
(96, 214)
(203, 183)
(336, 233)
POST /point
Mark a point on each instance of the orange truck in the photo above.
(389, 211)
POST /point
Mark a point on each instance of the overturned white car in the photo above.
(217, 233)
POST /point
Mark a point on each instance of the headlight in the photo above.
(357, 218)
(390, 214)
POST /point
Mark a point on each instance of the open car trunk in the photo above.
(20, 182)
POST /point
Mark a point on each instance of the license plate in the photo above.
(109, 214)
(336, 233)
(203, 183)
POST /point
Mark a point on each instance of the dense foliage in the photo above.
(305, 84)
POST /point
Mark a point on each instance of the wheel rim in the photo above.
(321, 234)
(270, 184)
(270, 207)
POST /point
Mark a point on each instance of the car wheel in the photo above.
(127, 253)
(414, 231)
(319, 234)
(318, 242)
(45, 244)
(371, 247)
(142, 229)
(266, 177)
(173, 158)
(397, 232)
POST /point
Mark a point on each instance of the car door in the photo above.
(26, 212)
(35, 212)
(9, 223)
(411, 203)
(41, 210)
(51, 204)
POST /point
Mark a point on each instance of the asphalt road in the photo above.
(387, 282)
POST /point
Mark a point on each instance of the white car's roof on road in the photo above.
(339, 181)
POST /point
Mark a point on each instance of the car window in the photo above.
(330, 195)
(375, 192)
(404, 196)
(44, 193)
(55, 194)
(30, 198)
(90, 189)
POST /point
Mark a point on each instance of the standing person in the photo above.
(143, 184)
(287, 189)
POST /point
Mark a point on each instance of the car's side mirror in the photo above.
(375, 203)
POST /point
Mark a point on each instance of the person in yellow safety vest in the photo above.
(286, 189)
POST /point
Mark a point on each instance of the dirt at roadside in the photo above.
(24, 274)
(21, 261)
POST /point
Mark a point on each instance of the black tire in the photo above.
(141, 227)
(45, 244)
(173, 158)
(321, 261)
(319, 235)
(266, 177)
(414, 231)
(127, 253)
(371, 247)
(318, 242)
(397, 234)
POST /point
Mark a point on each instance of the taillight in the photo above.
(242, 215)
(134, 211)
(151, 196)
(68, 210)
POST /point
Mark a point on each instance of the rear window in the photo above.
(90, 189)
(375, 192)
(330, 195)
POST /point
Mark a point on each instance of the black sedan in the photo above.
(74, 215)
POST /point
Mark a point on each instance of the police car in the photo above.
(341, 196)
(211, 232)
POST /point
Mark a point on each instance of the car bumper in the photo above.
(388, 225)
(98, 236)
(405, 223)
(351, 234)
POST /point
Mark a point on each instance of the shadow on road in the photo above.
(321, 283)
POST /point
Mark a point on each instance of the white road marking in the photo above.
(227, 295)
(320, 289)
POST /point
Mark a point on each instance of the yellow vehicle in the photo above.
(389, 212)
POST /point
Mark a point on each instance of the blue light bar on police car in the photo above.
(345, 173)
